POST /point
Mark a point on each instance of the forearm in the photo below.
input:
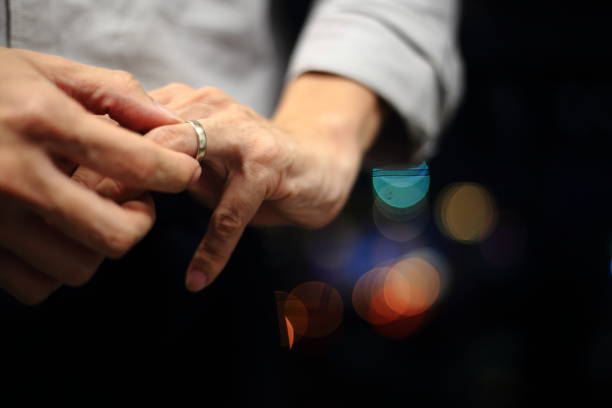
(332, 109)
(333, 121)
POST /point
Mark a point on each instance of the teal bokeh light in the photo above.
(401, 188)
(611, 257)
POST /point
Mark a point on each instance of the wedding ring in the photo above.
(201, 134)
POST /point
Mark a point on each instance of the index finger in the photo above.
(101, 91)
(119, 153)
(179, 138)
(237, 207)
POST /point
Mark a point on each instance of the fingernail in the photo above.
(167, 111)
(196, 176)
(196, 280)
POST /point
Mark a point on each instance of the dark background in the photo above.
(533, 129)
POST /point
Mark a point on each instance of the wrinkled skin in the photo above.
(261, 171)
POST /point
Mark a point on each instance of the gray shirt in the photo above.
(404, 50)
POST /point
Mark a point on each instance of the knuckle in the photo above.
(23, 176)
(31, 114)
(126, 80)
(266, 151)
(212, 94)
(31, 298)
(247, 112)
(117, 243)
(208, 257)
(36, 108)
(82, 272)
(78, 277)
(177, 87)
(259, 174)
(36, 294)
(209, 90)
(226, 223)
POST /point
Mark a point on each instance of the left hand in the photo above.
(255, 171)
(297, 168)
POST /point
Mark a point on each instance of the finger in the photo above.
(47, 251)
(183, 138)
(208, 190)
(22, 282)
(94, 221)
(119, 153)
(239, 203)
(167, 93)
(104, 91)
(179, 138)
(87, 177)
(200, 103)
(107, 119)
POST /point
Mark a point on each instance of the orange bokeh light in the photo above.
(379, 311)
(323, 305)
(367, 299)
(394, 299)
(292, 318)
(290, 332)
(411, 286)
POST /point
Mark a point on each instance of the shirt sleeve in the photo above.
(404, 50)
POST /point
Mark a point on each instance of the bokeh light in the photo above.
(466, 212)
(610, 256)
(368, 297)
(401, 188)
(411, 286)
(440, 264)
(400, 226)
(292, 318)
(323, 305)
(393, 298)
(290, 332)
(400, 205)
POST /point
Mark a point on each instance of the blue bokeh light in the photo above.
(401, 188)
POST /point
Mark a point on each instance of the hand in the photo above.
(53, 230)
(255, 172)
(296, 169)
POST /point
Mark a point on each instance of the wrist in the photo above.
(332, 107)
(327, 141)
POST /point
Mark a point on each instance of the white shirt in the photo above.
(404, 50)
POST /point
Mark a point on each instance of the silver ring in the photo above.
(201, 134)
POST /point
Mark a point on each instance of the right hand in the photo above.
(53, 230)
